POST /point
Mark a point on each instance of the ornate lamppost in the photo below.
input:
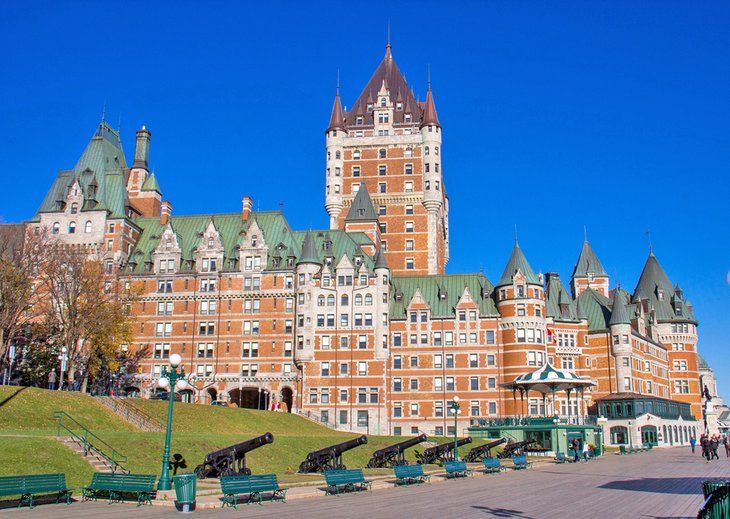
(455, 408)
(170, 379)
(63, 359)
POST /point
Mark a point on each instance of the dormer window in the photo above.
(254, 240)
(370, 106)
(211, 243)
(383, 118)
(327, 245)
(383, 102)
(358, 259)
(660, 295)
(407, 118)
(399, 106)
(358, 120)
(520, 290)
(74, 208)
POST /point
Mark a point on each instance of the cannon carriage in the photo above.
(483, 451)
(394, 455)
(231, 460)
(330, 458)
(440, 453)
(515, 448)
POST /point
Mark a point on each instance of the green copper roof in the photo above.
(517, 261)
(580, 313)
(588, 263)
(100, 167)
(441, 293)
(559, 305)
(151, 184)
(335, 244)
(362, 207)
(655, 287)
(701, 362)
(619, 315)
(597, 309)
(380, 261)
(309, 250)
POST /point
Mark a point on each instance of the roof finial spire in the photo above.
(428, 76)
(517, 244)
(103, 111)
(585, 234)
(388, 45)
(651, 246)
(338, 82)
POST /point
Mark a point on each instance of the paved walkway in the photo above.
(663, 483)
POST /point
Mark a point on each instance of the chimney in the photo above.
(165, 212)
(247, 207)
(142, 149)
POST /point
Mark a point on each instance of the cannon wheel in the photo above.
(200, 471)
(227, 472)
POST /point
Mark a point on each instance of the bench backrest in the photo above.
(492, 463)
(121, 482)
(342, 477)
(408, 471)
(247, 484)
(36, 483)
(455, 466)
(519, 460)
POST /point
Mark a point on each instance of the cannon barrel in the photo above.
(239, 449)
(448, 446)
(398, 447)
(339, 448)
(476, 453)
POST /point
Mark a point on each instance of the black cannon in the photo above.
(483, 451)
(232, 459)
(329, 458)
(515, 448)
(440, 453)
(394, 454)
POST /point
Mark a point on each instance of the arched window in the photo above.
(436, 151)
(330, 300)
(320, 301)
(664, 431)
(338, 154)
(344, 300)
(74, 208)
(56, 228)
(87, 226)
(426, 151)
(368, 299)
(358, 299)
(72, 227)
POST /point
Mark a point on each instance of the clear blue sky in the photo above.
(612, 115)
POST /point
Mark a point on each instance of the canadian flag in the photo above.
(550, 335)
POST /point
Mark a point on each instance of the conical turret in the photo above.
(337, 118)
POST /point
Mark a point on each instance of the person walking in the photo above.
(726, 443)
(705, 445)
(52, 380)
(692, 443)
(586, 450)
(575, 443)
(714, 444)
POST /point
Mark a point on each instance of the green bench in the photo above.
(410, 474)
(116, 486)
(492, 465)
(345, 481)
(28, 487)
(520, 462)
(253, 486)
(456, 469)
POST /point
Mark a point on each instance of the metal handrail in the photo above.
(147, 419)
(85, 438)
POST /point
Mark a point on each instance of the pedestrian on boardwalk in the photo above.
(586, 450)
(52, 379)
(726, 443)
(692, 443)
(714, 444)
(705, 445)
(575, 442)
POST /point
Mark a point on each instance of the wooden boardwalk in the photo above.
(658, 484)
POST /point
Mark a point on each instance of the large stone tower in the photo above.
(391, 143)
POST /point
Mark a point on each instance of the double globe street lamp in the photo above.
(455, 408)
(170, 379)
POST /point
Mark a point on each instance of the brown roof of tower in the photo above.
(388, 73)
(429, 111)
(337, 119)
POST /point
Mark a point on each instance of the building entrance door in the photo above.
(649, 434)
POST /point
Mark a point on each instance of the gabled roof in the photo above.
(362, 207)
(389, 74)
(588, 263)
(102, 164)
(653, 279)
(597, 309)
(339, 244)
(151, 184)
(559, 305)
(517, 261)
(442, 293)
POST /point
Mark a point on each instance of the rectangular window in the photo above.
(474, 383)
(409, 226)
(397, 385)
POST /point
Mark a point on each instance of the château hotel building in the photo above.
(359, 325)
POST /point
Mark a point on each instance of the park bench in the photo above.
(520, 462)
(492, 465)
(28, 487)
(456, 469)
(410, 474)
(345, 481)
(116, 486)
(560, 458)
(253, 486)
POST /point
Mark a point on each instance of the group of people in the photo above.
(66, 385)
(580, 448)
(710, 444)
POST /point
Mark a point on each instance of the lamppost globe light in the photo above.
(175, 360)
(181, 384)
(63, 349)
(163, 383)
(456, 399)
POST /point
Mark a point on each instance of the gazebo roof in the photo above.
(547, 378)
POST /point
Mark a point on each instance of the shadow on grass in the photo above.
(679, 486)
(8, 399)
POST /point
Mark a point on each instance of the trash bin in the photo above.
(185, 486)
(711, 485)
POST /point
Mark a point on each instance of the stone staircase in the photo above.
(99, 463)
(128, 412)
